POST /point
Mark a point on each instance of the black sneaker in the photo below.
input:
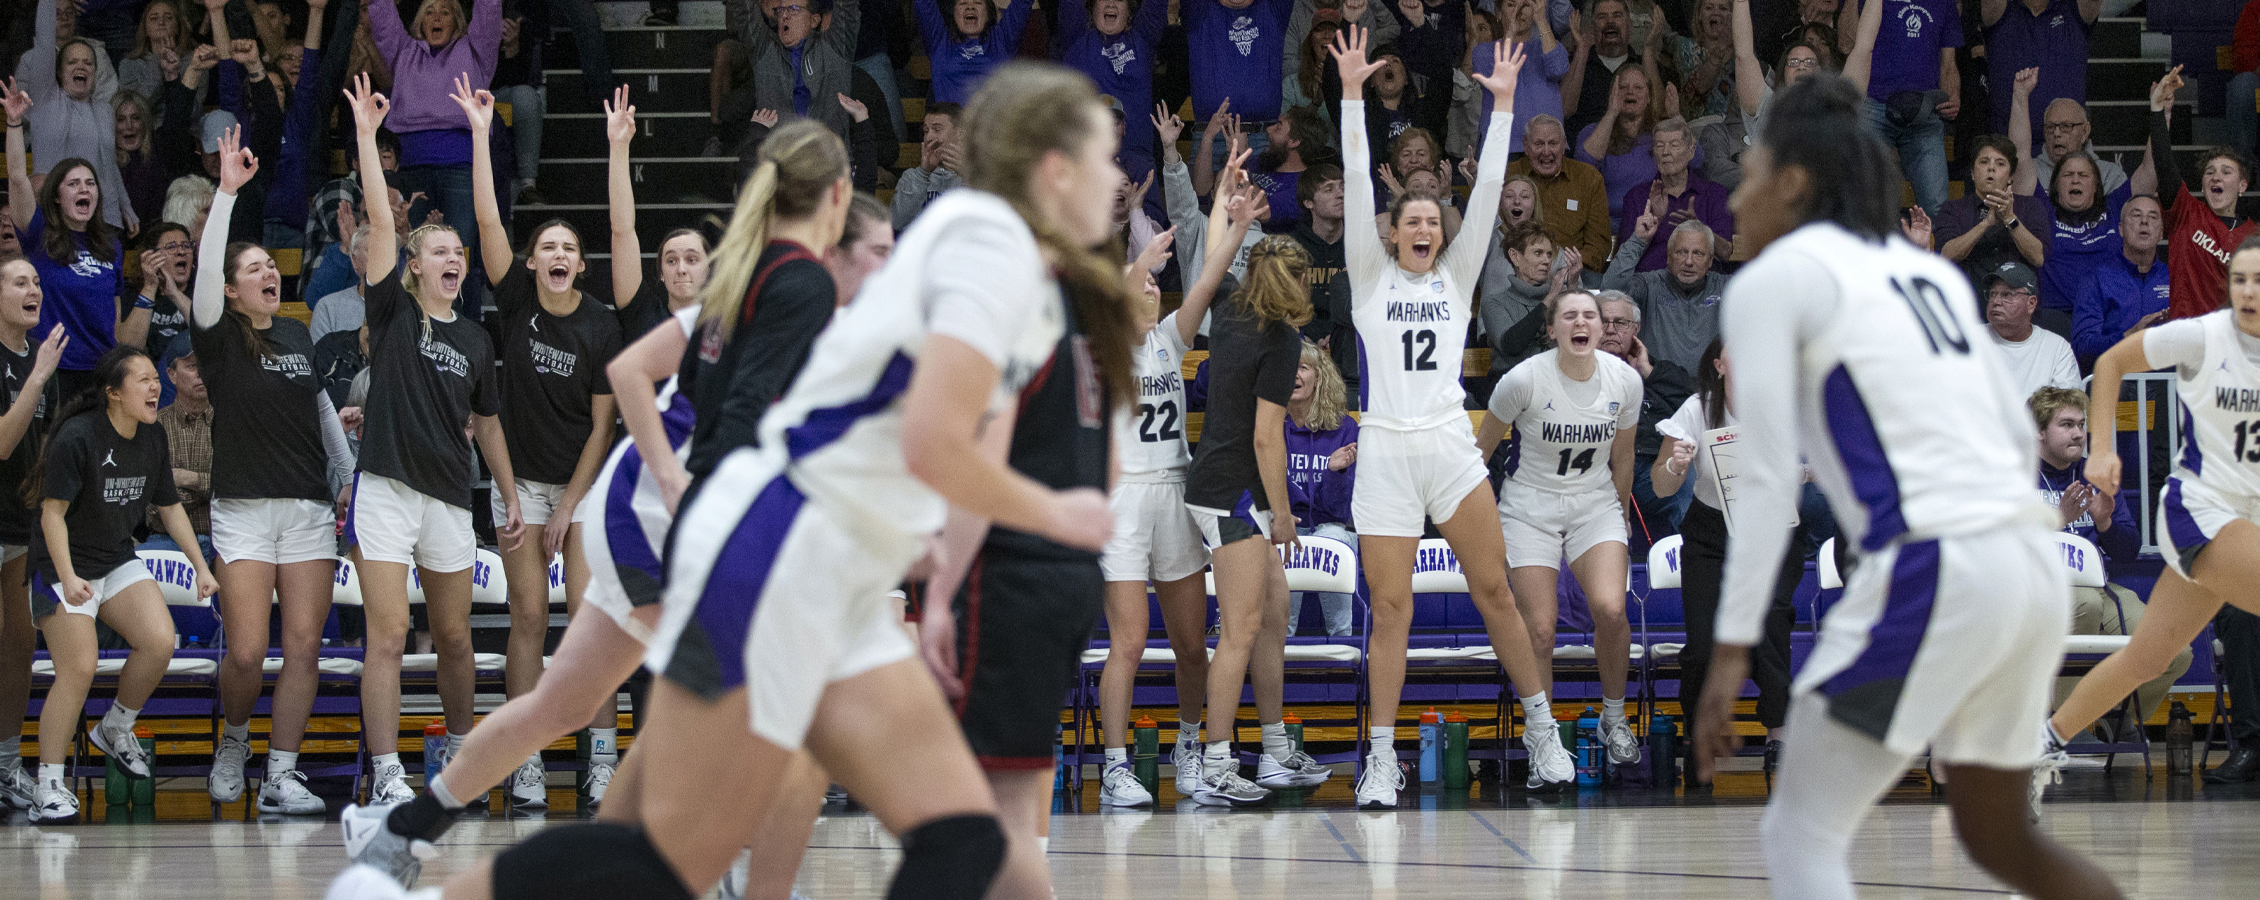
(659, 17)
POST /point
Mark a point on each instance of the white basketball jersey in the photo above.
(1913, 427)
(1151, 437)
(2221, 413)
(1558, 444)
(1414, 331)
(837, 432)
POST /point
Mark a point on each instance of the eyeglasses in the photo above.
(793, 8)
(1803, 64)
(176, 247)
(2062, 127)
(1619, 324)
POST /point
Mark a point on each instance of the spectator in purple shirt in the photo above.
(435, 146)
(1915, 88)
(1677, 195)
(1115, 47)
(1545, 63)
(1322, 457)
(975, 37)
(1237, 50)
(2050, 35)
(1622, 144)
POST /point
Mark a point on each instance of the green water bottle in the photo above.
(117, 789)
(145, 789)
(1294, 724)
(1145, 754)
(1455, 751)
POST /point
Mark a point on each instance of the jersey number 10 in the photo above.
(1931, 311)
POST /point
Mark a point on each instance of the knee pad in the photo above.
(599, 860)
(947, 859)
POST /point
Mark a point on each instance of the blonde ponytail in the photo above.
(798, 161)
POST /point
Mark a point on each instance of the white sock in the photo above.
(119, 717)
(437, 787)
(1218, 757)
(1188, 733)
(535, 762)
(1536, 709)
(239, 733)
(604, 745)
(1383, 738)
(50, 772)
(1116, 755)
(1044, 844)
(1612, 710)
(455, 743)
(378, 762)
(10, 750)
(1276, 744)
(280, 761)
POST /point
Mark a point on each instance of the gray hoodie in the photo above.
(1677, 324)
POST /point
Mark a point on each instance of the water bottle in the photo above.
(1588, 748)
(117, 787)
(2180, 732)
(1663, 751)
(1294, 725)
(435, 747)
(145, 789)
(1145, 755)
(1431, 729)
(1455, 751)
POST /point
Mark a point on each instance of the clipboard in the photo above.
(1723, 465)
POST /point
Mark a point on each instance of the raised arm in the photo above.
(1860, 62)
(38, 65)
(2166, 168)
(17, 422)
(1464, 259)
(847, 16)
(237, 166)
(2020, 130)
(386, 29)
(1365, 257)
(494, 237)
(383, 245)
(1573, 83)
(620, 197)
(22, 195)
(1749, 73)
(1233, 216)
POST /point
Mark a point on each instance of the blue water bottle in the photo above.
(435, 747)
(1588, 749)
(1431, 746)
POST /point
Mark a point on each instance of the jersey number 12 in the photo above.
(1426, 360)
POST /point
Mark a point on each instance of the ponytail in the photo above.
(798, 162)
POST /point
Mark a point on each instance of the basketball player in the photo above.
(1569, 480)
(1155, 537)
(2205, 520)
(1864, 353)
(1411, 300)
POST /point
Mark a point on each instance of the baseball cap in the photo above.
(1115, 103)
(215, 124)
(2013, 274)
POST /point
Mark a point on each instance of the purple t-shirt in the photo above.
(1286, 208)
(2075, 252)
(1706, 200)
(1318, 493)
(1237, 53)
(1539, 91)
(961, 65)
(1906, 52)
(2054, 41)
(1122, 65)
(1621, 172)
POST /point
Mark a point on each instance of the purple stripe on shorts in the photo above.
(741, 573)
(1861, 450)
(1898, 633)
(623, 529)
(2181, 527)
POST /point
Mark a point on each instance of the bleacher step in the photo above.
(640, 46)
(651, 89)
(657, 133)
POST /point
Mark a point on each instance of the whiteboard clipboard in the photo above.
(1718, 446)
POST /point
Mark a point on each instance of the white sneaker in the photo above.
(373, 846)
(389, 784)
(1298, 770)
(1551, 768)
(286, 794)
(1118, 786)
(1383, 778)
(17, 788)
(57, 803)
(1624, 746)
(1187, 756)
(226, 781)
(365, 882)
(120, 745)
(530, 786)
(2044, 773)
(1225, 787)
(599, 780)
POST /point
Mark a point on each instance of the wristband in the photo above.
(143, 302)
(15, 124)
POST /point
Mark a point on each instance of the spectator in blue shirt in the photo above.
(2128, 292)
(1115, 47)
(975, 37)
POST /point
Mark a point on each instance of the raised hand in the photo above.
(205, 57)
(1235, 168)
(855, 110)
(345, 218)
(1349, 59)
(1138, 193)
(1150, 257)
(1917, 227)
(2026, 80)
(1388, 178)
(1216, 121)
(766, 118)
(1644, 228)
(1166, 124)
(16, 101)
(1506, 70)
(2162, 92)
(245, 52)
(478, 106)
(237, 164)
(369, 107)
(1671, 100)
(1242, 208)
(619, 117)
(50, 355)
(168, 62)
